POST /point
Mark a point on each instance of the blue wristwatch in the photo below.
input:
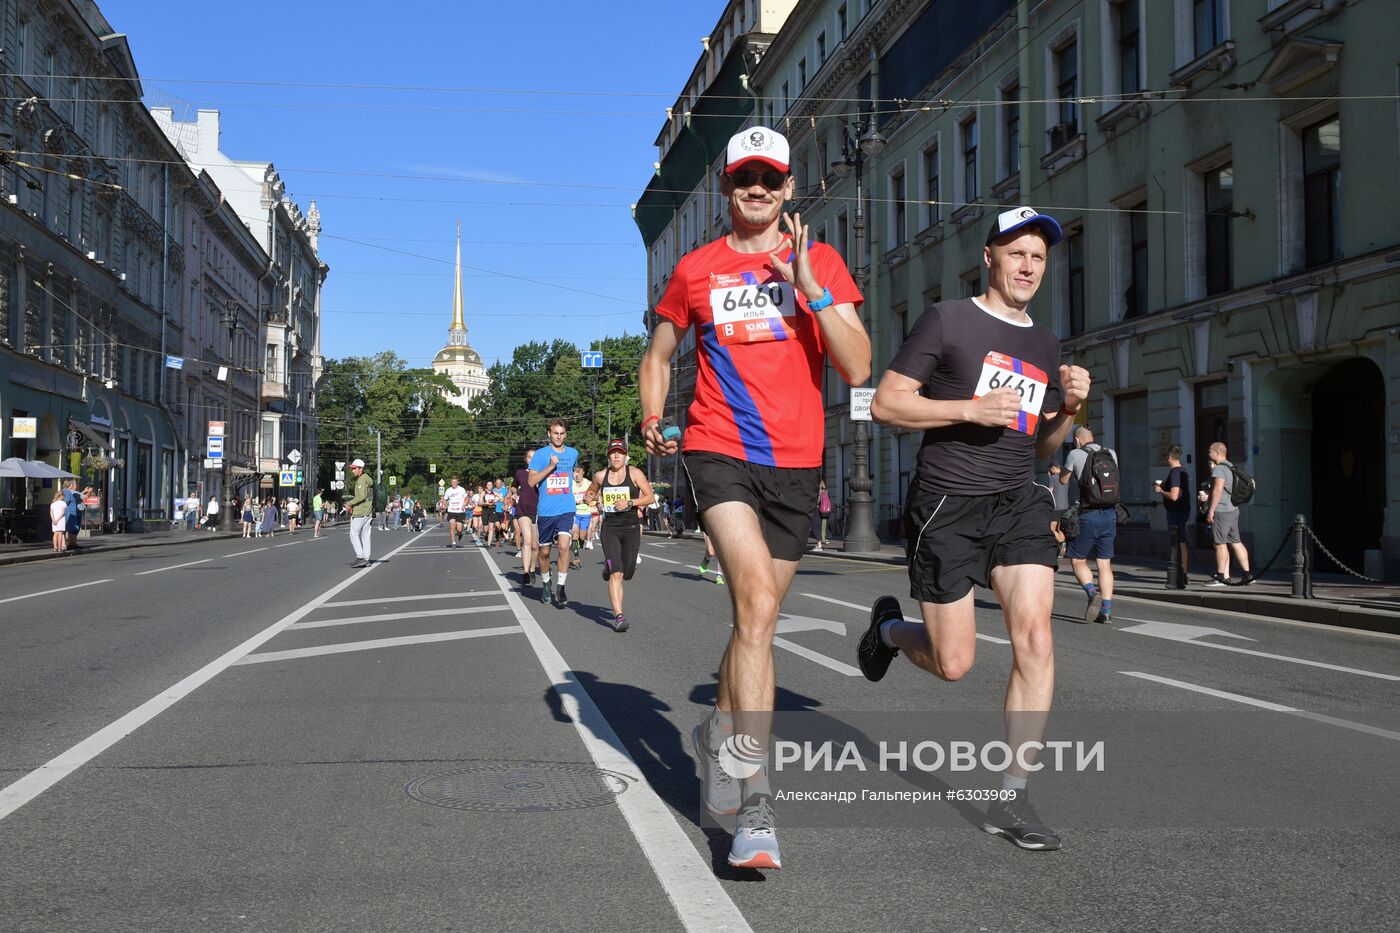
(821, 302)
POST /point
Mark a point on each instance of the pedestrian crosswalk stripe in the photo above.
(372, 644)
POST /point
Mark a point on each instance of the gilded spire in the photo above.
(458, 324)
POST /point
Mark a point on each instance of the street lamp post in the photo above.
(229, 515)
(860, 510)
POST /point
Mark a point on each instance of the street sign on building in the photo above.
(860, 404)
(24, 428)
(174, 362)
(592, 359)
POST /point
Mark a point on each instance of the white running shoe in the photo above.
(719, 790)
(755, 842)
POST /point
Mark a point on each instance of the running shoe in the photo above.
(719, 790)
(1218, 580)
(588, 544)
(873, 655)
(719, 578)
(619, 623)
(547, 591)
(1017, 821)
(704, 566)
(1091, 612)
(1104, 618)
(560, 597)
(755, 842)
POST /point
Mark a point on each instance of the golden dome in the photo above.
(457, 355)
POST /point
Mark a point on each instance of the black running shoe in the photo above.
(872, 653)
(619, 623)
(1017, 821)
(546, 592)
(560, 597)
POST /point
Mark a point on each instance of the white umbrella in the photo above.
(50, 471)
(18, 467)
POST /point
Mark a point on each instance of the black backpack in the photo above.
(1098, 481)
(1242, 489)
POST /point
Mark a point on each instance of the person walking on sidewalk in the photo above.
(769, 306)
(823, 516)
(1084, 472)
(984, 382)
(1223, 517)
(1175, 491)
(361, 507)
(211, 514)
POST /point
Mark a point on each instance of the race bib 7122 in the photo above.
(1000, 371)
(559, 484)
(746, 310)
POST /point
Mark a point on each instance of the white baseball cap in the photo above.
(757, 144)
(359, 464)
(1019, 217)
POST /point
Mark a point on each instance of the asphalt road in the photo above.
(250, 735)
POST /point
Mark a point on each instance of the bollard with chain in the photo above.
(1302, 575)
(1176, 574)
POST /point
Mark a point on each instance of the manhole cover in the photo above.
(519, 787)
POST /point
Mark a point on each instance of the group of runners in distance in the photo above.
(978, 376)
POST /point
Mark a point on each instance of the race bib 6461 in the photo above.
(746, 310)
(1000, 371)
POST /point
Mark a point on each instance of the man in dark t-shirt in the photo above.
(1175, 491)
(985, 384)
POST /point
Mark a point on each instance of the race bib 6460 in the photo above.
(746, 310)
(1000, 371)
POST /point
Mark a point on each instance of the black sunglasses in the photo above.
(770, 178)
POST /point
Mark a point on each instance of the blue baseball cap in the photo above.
(1020, 217)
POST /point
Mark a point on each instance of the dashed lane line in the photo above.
(21, 792)
(375, 643)
(61, 589)
(1265, 704)
(407, 599)
(175, 566)
(689, 881)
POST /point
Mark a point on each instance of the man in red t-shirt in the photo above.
(768, 307)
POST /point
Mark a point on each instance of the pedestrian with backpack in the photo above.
(1230, 488)
(1096, 489)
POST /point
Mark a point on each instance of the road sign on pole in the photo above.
(294, 456)
(592, 359)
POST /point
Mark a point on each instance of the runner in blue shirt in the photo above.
(552, 470)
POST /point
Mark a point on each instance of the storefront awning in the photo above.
(90, 433)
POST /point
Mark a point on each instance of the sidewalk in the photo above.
(99, 544)
(1337, 599)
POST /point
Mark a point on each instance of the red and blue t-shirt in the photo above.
(758, 389)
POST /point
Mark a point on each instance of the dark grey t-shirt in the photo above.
(957, 347)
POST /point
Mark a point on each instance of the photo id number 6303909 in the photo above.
(755, 296)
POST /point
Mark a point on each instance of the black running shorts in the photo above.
(784, 498)
(953, 542)
(620, 547)
(457, 517)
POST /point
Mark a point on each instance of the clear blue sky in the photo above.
(637, 53)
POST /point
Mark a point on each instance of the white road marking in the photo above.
(50, 773)
(689, 881)
(174, 567)
(1265, 704)
(395, 616)
(75, 586)
(241, 553)
(838, 666)
(407, 599)
(288, 544)
(841, 602)
(375, 643)
(667, 560)
(1273, 657)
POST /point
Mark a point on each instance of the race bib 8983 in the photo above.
(746, 310)
(1000, 371)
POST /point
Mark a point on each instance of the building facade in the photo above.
(1221, 168)
(682, 206)
(457, 360)
(288, 295)
(91, 247)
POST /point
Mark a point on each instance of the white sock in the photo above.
(885, 633)
(563, 575)
(1010, 781)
